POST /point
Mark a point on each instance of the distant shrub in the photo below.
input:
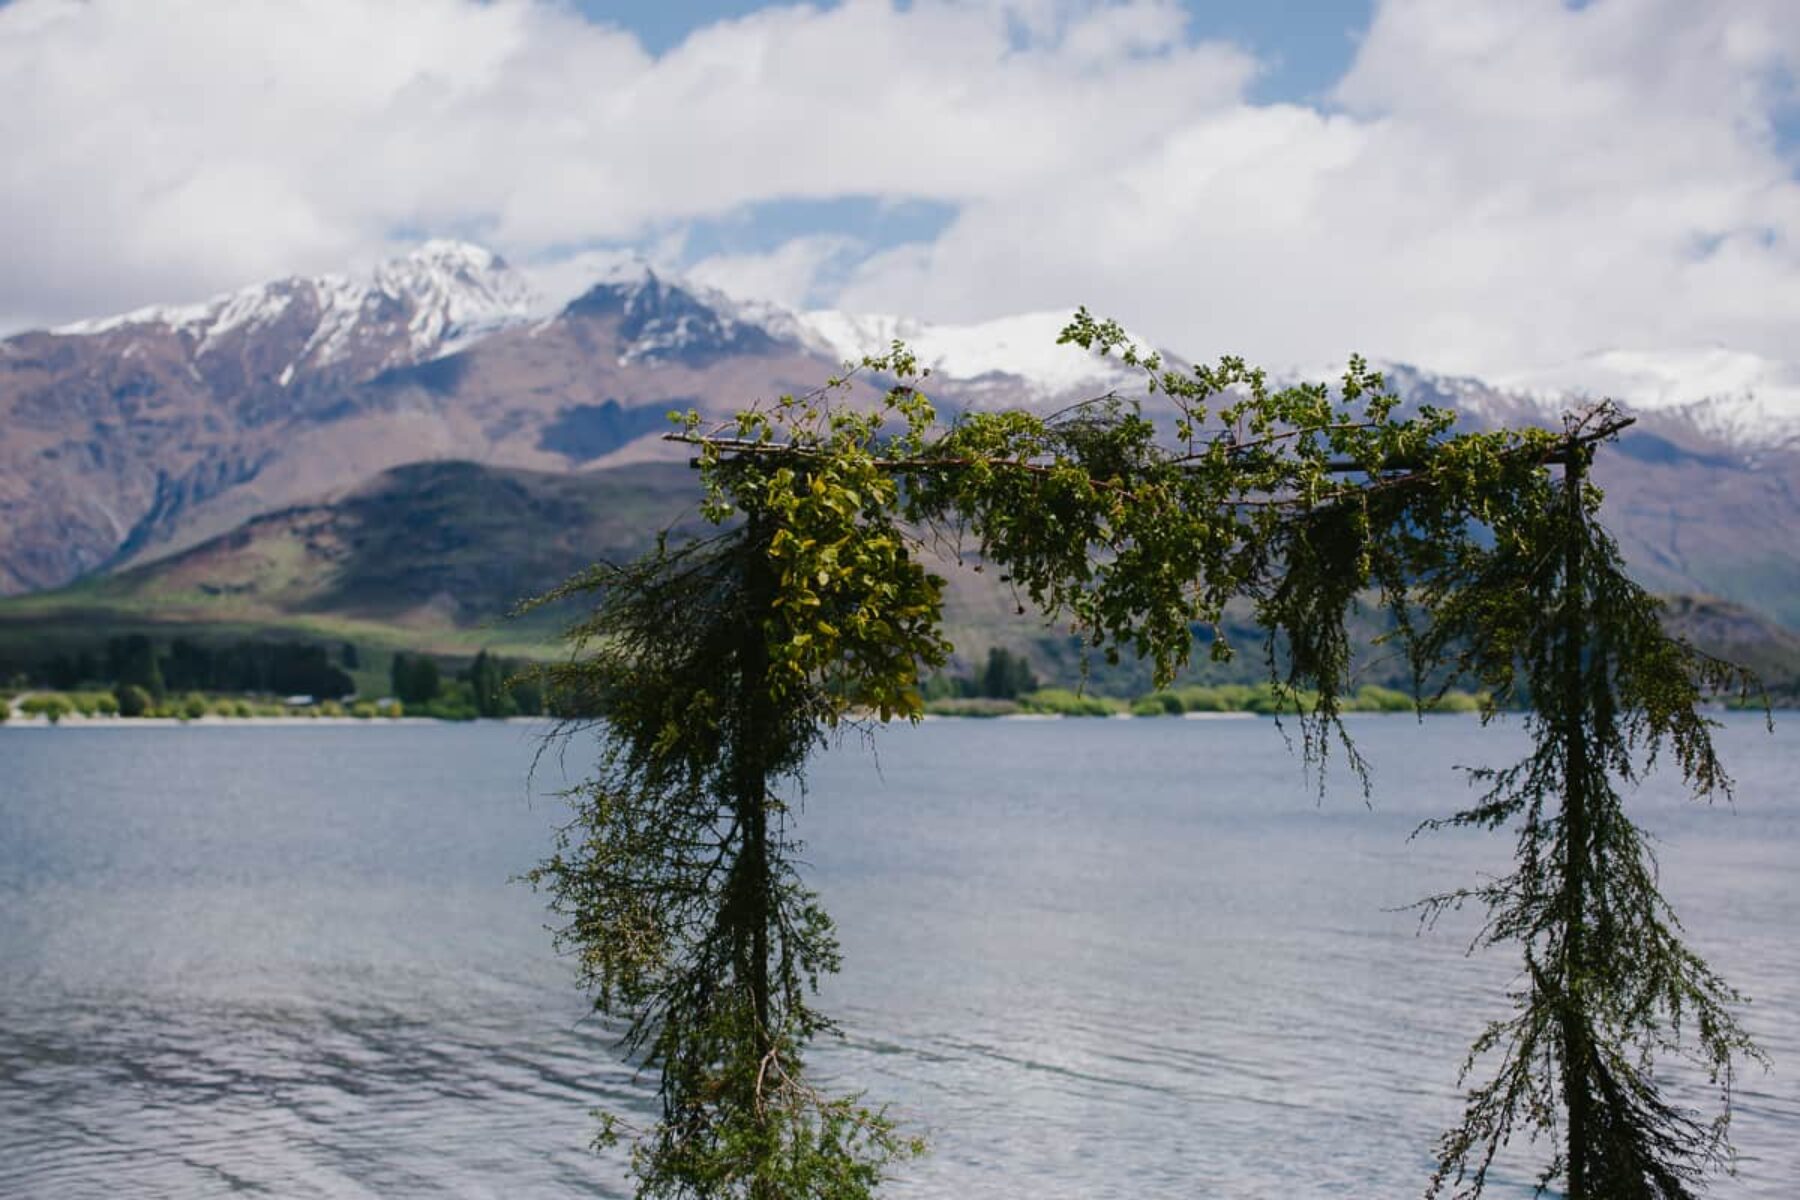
(415, 678)
(133, 701)
(1261, 700)
(1158, 704)
(1066, 703)
(456, 709)
(392, 709)
(104, 704)
(362, 710)
(1229, 697)
(331, 708)
(82, 702)
(971, 706)
(1370, 698)
(1267, 700)
(52, 706)
(527, 691)
(1458, 702)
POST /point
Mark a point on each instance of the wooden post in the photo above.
(754, 900)
(1576, 767)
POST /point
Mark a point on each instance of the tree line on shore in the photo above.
(128, 676)
(1259, 699)
(1006, 685)
(131, 675)
(243, 667)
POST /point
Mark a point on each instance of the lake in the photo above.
(1086, 958)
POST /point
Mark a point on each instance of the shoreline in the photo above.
(211, 721)
(77, 721)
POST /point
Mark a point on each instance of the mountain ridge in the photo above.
(131, 438)
(452, 290)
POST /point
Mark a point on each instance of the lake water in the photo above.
(1086, 958)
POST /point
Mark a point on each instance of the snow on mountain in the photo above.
(444, 295)
(1736, 401)
(127, 437)
(1011, 359)
(1022, 347)
(1738, 397)
(460, 292)
(668, 317)
(670, 320)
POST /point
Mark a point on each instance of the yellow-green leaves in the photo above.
(719, 666)
(853, 615)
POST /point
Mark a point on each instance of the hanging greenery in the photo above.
(719, 665)
(1547, 619)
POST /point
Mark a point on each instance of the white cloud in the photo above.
(1513, 188)
(791, 275)
(1507, 188)
(155, 152)
(1614, 165)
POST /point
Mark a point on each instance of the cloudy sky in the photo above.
(1599, 195)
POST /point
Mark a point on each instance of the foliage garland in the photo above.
(719, 665)
(1547, 618)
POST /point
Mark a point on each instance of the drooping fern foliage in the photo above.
(715, 668)
(1546, 619)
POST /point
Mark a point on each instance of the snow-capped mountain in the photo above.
(1008, 360)
(133, 435)
(1734, 395)
(113, 430)
(1742, 424)
(441, 297)
(128, 438)
(1017, 361)
(663, 321)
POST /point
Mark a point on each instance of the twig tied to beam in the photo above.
(1565, 452)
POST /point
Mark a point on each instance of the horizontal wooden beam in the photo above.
(1568, 451)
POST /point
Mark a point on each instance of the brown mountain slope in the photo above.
(130, 439)
(436, 554)
(427, 547)
(1698, 508)
(125, 440)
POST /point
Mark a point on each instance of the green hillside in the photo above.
(434, 556)
(428, 556)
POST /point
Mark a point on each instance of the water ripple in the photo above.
(288, 963)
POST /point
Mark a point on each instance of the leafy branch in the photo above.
(719, 666)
